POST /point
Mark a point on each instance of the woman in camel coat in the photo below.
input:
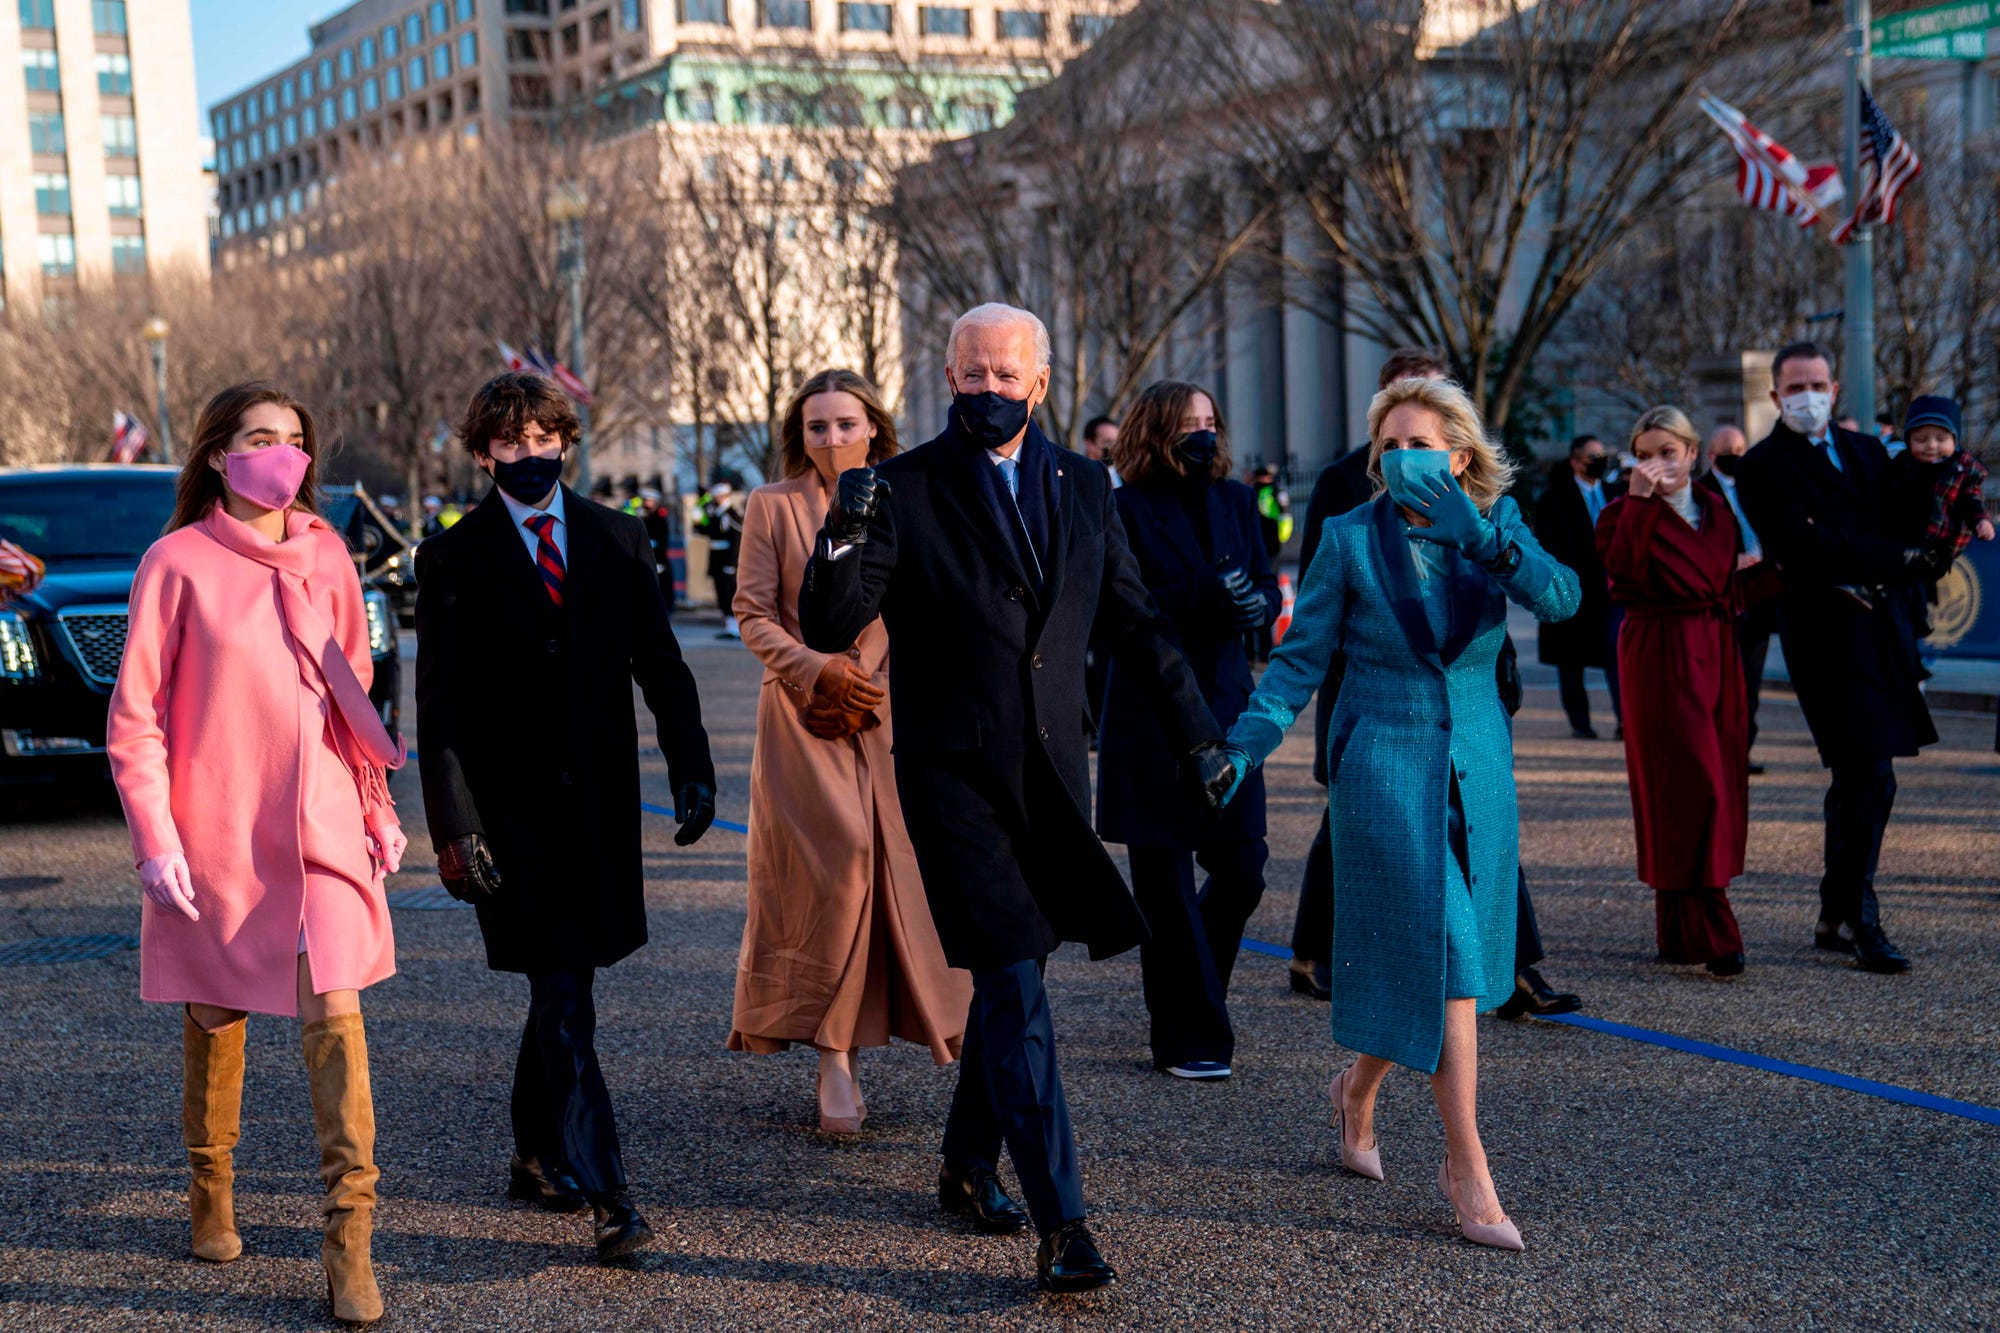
(839, 950)
(252, 768)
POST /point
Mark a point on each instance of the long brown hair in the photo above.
(1147, 436)
(793, 432)
(200, 486)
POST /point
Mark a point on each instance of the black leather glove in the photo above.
(856, 496)
(1211, 771)
(694, 811)
(1247, 604)
(1929, 563)
(465, 864)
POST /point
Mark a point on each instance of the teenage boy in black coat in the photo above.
(991, 555)
(535, 614)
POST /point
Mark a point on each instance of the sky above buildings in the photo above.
(237, 42)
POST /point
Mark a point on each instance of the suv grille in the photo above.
(99, 641)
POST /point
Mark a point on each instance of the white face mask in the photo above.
(1807, 412)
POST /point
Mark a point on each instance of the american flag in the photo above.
(572, 384)
(1894, 165)
(514, 360)
(128, 438)
(1761, 188)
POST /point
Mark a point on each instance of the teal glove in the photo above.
(1455, 520)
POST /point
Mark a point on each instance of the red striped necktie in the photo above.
(548, 560)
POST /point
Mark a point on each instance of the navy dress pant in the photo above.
(1009, 1092)
(1187, 963)
(561, 1108)
(1858, 802)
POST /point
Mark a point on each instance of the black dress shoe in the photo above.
(1583, 733)
(1068, 1260)
(975, 1193)
(1729, 965)
(1314, 979)
(620, 1227)
(1535, 998)
(1833, 937)
(531, 1180)
(1874, 953)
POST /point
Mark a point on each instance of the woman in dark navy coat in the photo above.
(1195, 534)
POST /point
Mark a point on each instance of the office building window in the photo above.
(413, 30)
(371, 96)
(600, 28)
(705, 11)
(260, 213)
(698, 103)
(122, 194)
(285, 94)
(465, 11)
(347, 104)
(128, 254)
(1087, 28)
(45, 132)
(866, 18)
(629, 16)
(236, 119)
(528, 7)
(271, 140)
(440, 18)
(58, 255)
(347, 63)
(468, 50)
(770, 104)
(236, 154)
(935, 22)
(326, 116)
(1023, 25)
(416, 73)
(571, 39)
(309, 122)
(250, 110)
(108, 17)
(392, 83)
(243, 219)
(907, 113)
(368, 53)
(788, 13)
(296, 199)
(326, 75)
(43, 75)
(521, 45)
(52, 194)
(270, 103)
(976, 117)
(114, 75)
(441, 62)
(38, 14)
(291, 131)
(390, 47)
(305, 85)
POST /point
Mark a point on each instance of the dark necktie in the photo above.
(547, 558)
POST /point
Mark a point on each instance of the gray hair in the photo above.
(996, 315)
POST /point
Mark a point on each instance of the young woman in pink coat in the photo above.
(252, 769)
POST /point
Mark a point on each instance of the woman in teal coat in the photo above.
(1413, 588)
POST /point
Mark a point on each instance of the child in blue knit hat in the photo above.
(1936, 491)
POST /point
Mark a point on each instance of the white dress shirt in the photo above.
(521, 513)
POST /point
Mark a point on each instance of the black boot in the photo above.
(1535, 998)
(1068, 1260)
(620, 1227)
(975, 1193)
(1312, 978)
(532, 1180)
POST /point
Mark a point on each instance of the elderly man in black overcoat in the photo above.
(535, 615)
(1815, 494)
(991, 554)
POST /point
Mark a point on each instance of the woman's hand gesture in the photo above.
(1646, 478)
(169, 884)
(845, 685)
(1454, 519)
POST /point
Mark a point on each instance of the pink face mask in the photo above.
(269, 477)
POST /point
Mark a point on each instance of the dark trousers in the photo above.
(1858, 802)
(725, 591)
(562, 1110)
(1096, 675)
(1312, 931)
(1753, 639)
(1187, 963)
(1010, 1092)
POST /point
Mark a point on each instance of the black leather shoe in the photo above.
(1833, 937)
(1535, 998)
(976, 1194)
(1874, 953)
(1583, 733)
(531, 1180)
(1312, 979)
(620, 1227)
(1729, 965)
(1068, 1260)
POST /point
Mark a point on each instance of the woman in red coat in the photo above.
(1669, 551)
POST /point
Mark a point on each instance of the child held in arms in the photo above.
(1936, 498)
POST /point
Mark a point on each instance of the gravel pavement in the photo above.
(1656, 1190)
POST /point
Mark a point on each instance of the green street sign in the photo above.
(1939, 21)
(1955, 46)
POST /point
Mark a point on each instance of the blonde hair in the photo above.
(1671, 420)
(1486, 477)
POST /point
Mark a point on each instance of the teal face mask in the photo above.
(1402, 467)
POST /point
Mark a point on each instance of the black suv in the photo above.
(60, 646)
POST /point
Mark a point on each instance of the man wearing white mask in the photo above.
(1814, 494)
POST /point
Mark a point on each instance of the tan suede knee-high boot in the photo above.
(211, 1122)
(344, 1117)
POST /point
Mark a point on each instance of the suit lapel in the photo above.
(1062, 522)
(590, 562)
(965, 500)
(1469, 585)
(1398, 573)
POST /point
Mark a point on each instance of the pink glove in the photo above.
(168, 884)
(387, 845)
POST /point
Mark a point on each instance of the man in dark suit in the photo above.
(991, 555)
(534, 616)
(1815, 494)
(1566, 526)
(1758, 620)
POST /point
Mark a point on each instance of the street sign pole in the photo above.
(1858, 379)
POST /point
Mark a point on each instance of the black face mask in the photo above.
(1197, 449)
(989, 420)
(1595, 468)
(1725, 463)
(528, 479)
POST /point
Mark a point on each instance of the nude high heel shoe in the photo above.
(1361, 1161)
(839, 1124)
(1501, 1235)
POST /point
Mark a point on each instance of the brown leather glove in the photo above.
(843, 684)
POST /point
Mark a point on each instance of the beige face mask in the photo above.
(834, 459)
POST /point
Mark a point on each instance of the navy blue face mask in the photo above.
(528, 479)
(988, 419)
(1197, 449)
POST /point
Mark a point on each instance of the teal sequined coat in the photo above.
(1412, 713)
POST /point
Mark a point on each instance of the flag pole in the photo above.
(1858, 378)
